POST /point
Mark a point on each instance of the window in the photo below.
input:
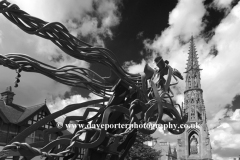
(193, 141)
(195, 81)
(30, 122)
(3, 137)
(13, 129)
(199, 116)
(54, 136)
(33, 120)
(197, 97)
(32, 135)
(50, 125)
(192, 101)
(4, 128)
(30, 138)
(189, 82)
(192, 112)
(38, 135)
(81, 153)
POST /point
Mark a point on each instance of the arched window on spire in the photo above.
(198, 98)
(192, 113)
(199, 116)
(195, 81)
(193, 141)
(189, 82)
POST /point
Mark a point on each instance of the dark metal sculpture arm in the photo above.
(61, 37)
(69, 75)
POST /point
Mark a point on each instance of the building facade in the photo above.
(15, 118)
(194, 143)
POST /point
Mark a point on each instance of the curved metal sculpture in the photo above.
(131, 100)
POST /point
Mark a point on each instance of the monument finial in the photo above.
(9, 89)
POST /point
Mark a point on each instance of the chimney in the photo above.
(7, 96)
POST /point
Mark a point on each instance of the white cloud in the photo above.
(236, 115)
(134, 68)
(109, 12)
(222, 4)
(55, 10)
(0, 37)
(58, 104)
(215, 121)
(220, 74)
(225, 138)
(216, 157)
(179, 99)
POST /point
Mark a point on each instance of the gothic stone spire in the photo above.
(169, 152)
(192, 62)
(195, 108)
(192, 73)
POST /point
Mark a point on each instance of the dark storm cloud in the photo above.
(216, 12)
(140, 35)
(236, 102)
(213, 51)
(137, 16)
(212, 19)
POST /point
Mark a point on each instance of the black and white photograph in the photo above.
(119, 79)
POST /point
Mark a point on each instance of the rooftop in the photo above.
(13, 113)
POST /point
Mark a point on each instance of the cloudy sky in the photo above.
(136, 31)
